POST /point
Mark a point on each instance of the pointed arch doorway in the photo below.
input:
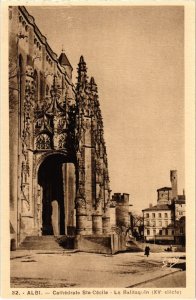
(56, 180)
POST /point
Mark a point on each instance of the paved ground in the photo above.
(177, 279)
(69, 269)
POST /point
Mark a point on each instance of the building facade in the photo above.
(165, 222)
(59, 181)
(180, 219)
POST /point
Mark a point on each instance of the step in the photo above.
(40, 243)
(133, 247)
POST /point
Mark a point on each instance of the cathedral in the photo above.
(59, 181)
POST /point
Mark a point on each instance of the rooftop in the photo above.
(158, 207)
(63, 60)
(181, 199)
(165, 188)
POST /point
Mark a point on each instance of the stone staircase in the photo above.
(133, 246)
(94, 244)
(45, 242)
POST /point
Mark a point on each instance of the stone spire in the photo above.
(82, 74)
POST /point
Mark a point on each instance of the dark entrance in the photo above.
(51, 178)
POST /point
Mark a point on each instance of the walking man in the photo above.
(147, 251)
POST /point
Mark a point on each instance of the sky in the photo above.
(136, 55)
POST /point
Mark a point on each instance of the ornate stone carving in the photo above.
(26, 132)
(80, 203)
(88, 124)
(43, 142)
(24, 183)
(52, 120)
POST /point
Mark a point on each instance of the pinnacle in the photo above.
(82, 64)
(93, 85)
(82, 59)
(82, 70)
(92, 81)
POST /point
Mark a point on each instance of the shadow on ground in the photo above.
(39, 283)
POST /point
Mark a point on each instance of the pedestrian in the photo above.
(147, 251)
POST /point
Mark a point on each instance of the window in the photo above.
(166, 223)
(181, 230)
(154, 231)
(153, 215)
(147, 223)
(160, 232)
(159, 215)
(147, 215)
(148, 232)
(153, 223)
(166, 231)
(180, 213)
(160, 223)
(166, 215)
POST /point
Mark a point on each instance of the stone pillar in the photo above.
(88, 174)
(69, 196)
(97, 216)
(106, 220)
(38, 220)
(81, 216)
(13, 159)
(65, 191)
(97, 224)
(106, 215)
(14, 127)
(55, 217)
(106, 225)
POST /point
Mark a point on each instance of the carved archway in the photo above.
(56, 195)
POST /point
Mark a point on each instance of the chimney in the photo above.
(150, 205)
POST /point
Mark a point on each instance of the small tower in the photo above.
(122, 209)
(174, 183)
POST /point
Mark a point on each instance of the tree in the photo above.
(137, 225)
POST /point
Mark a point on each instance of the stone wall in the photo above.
(49, 117)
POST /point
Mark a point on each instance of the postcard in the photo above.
(97, 164)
